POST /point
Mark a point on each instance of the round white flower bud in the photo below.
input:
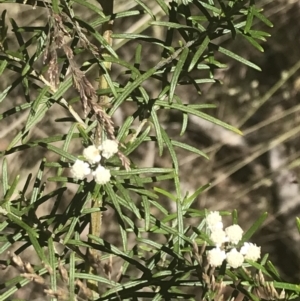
(234, 233)
(214, 220)
(108, 148)
(101, 175)
(215, 257)
(234, 258)
(218, 237)
(92, 154)
(80, 169)
(251, 251)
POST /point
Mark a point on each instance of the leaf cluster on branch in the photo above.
(153, 254)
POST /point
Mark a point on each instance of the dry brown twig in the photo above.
(62, 293)
(86, 90)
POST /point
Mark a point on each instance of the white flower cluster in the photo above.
(225, 241)
(93, 155)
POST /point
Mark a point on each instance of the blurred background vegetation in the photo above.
(253, 173)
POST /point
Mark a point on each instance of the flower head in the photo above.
(234, 258)
(91, 153)
(101, 175)
(251, 251)
(108, 148)
(218, 237)
(216, 256)
(214, 220)
(80, 169)
(234, 233)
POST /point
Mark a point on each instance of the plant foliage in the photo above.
(157, 255)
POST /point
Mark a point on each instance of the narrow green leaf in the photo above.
(140, 171)
(273, 269)
(37, 183)
(59, 151)
(254, 228)
(259, 266)
(261, 17)
(125, 128)
(151, 243)
(143, 192)
(198, 18)
(180, 227)
(138, 52)
(146, 8)
(112, 196)
(254, 43)
(189, 200)
(123, 63)
(125, 193)
(3, 95)
(287, 286)
(31, 234)
(17, 237)
(83, 133)
(112, 250)
(11, 190)
(70, 232)
(36, 143)
(200, 106)
(171, 150)
(13, 110)
(37, 112)
(158, 131)
(249, 20)
(298, 223)
(3, 65)
(199, 52)
(16, 56)
(120, 15)
(62, 89)
(163, 5)
(124, 235)
(237, 57)
(159, 206)
(136, 142)
(173, 25)
(258, 34)
(165, 193)
(190, 110)
(129, 88)
(189, 148)
(177, 73)
(95, 278)
(26, 69)
(52, 263)
(4, 176)
(146, 206)
(25, 83)
(97, 36)
(203, 81)
(184, 123)
(7, 293)
(65, 148)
